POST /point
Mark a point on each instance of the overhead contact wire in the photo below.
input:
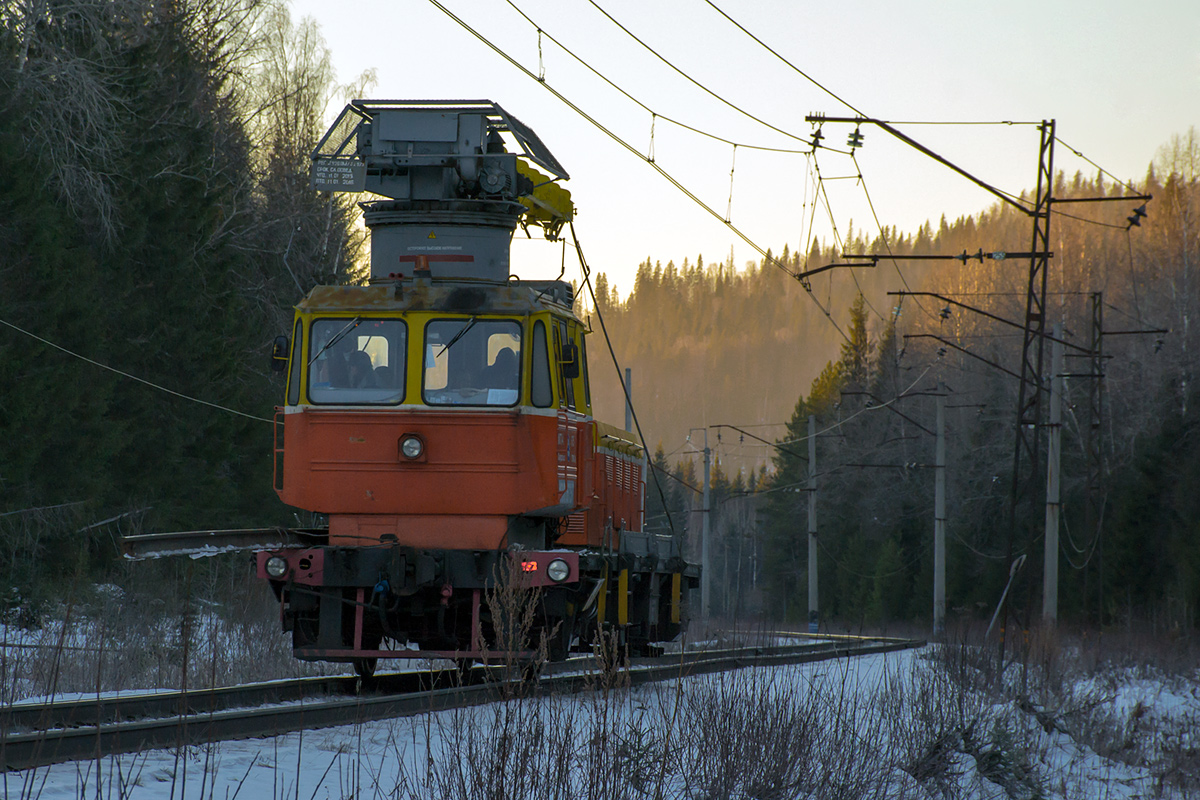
(693, 81)
(883, 236)
(587, 279)
(1103, 171)
(654, 165)
(653, 114)
(860, 412)
(770, 50)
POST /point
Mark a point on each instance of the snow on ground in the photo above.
(887, 725)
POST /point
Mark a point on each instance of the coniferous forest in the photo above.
(713, 347)
(156, 221)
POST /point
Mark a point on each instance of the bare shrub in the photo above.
(1002, 756)
(1179, 764)
(152, 628)
(612, 662)
(1089, 697)
(779, 733)
(537, 748)
(510, 617)
(755, 733)
(928, 712)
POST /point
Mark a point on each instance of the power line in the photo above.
(823, 192)
(587, 279)
(796, 69)
(1089, 221)
(541, 78)
(861, 411)
(1103, 171)
(758, 425)
(692, 80)
(883, 235)
(1007, 122)
(135, 377)
(1005, 196)
(979, 553)
(670, 178)
(653, 114)
(656, 468)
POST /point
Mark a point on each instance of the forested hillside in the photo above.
(710, 346)
(156, 226)
(156, 220)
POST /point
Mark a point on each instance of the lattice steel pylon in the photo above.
(1029, 392)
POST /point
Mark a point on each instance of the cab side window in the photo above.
(566, 386)
(541, 392)
(583, 369)
(296, 362)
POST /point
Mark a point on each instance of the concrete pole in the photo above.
(628, 399)
(939, 518)
(705, 562)
(814, 616)
(1053, 459)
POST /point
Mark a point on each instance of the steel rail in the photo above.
(44, 747)
(90, 711)
(87, 712)
(213, 542)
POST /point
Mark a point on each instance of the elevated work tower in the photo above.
(451, 193)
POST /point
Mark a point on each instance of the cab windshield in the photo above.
(472, 362)
(357, 361)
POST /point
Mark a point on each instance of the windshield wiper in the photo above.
(459, 335)
(336, 338)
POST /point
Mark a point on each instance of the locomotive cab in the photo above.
(412, 420)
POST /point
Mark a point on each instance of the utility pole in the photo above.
(628, 399)
(1031, 385)
(814, 616)
(939, 518)
(1053, 465)
(1094, 439)
(705, 535)
(1095, 460)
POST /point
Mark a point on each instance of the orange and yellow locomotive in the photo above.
(440, 417)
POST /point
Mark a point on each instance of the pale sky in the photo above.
(1120, 78)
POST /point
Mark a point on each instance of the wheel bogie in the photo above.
(463, 607)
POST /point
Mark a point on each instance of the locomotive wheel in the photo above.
(365, 667)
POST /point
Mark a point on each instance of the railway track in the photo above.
(39, 735)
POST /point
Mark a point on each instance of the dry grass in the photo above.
(947, 723)
(153, 630)
(1061, 716)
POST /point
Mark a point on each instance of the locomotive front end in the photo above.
(440, 417)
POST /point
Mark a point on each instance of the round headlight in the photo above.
(412, 447)
(558, 570)
(276, 566)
